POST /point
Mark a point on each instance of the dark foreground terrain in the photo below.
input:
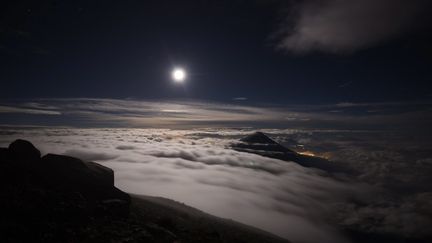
(57, 198)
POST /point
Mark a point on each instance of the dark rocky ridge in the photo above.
(53, 193)
(58, 198)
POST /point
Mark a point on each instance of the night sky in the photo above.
(278, 52)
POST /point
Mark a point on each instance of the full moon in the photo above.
(178, 75)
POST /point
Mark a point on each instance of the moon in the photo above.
(178, 75)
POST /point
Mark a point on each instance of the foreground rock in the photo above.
(58, 198)
(42, 198)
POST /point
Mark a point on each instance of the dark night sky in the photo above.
(126, 49)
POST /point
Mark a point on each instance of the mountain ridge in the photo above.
(58, 198)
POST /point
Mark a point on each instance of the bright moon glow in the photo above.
(179, 75)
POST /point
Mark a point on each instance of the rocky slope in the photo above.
(58, 198)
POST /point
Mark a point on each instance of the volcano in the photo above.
(259, 143)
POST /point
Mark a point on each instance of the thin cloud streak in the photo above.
(82, 112)
(11, 109)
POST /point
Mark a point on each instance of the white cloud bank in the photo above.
(301, 204)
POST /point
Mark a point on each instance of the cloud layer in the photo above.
(345, 26)
(196, 166)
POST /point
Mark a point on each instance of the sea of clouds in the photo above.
(386, 192)
(181, 150)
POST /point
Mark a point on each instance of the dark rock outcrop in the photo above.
(53, 193)
(22, 164)
(24, 150)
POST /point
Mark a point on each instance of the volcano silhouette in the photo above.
(261, 144)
